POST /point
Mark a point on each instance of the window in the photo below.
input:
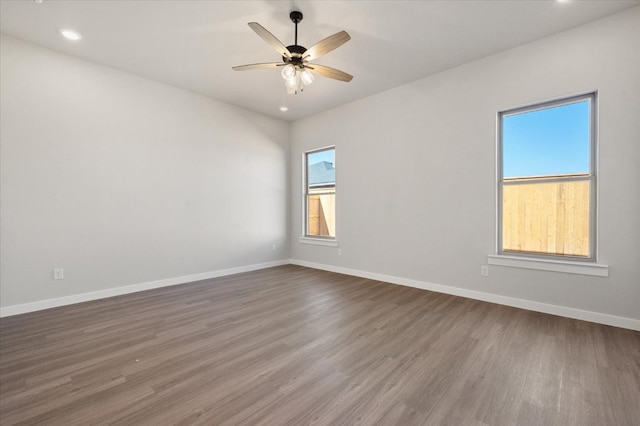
(320, 194)
(547, 180)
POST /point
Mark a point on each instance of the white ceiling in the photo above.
(194, 44)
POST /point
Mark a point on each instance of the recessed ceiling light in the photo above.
(284, 109)
(70, 34)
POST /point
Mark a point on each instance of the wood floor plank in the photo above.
(292, 346)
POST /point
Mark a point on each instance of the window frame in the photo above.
(591, 178)
(306, 237)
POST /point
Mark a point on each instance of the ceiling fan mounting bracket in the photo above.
(295, 16)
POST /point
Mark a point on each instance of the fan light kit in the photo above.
(297, 71)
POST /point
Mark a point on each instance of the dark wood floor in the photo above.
(291, 345)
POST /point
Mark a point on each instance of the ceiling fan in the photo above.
(297, 69)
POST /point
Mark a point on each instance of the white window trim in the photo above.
(319, 241)
(549, 262)
(553, 265)
(311, 239)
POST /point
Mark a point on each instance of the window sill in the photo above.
(568, 267)
(319, 241)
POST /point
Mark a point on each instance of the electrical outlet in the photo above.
(484, 270)
(58, 273)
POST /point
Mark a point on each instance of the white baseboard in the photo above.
(134, 288)
(596, 317)
(546, 308)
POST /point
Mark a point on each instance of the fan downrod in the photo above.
(295, 49)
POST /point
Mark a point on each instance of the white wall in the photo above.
(121, 180)
(416, 170)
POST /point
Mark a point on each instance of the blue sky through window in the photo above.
(550, 141)
(316, 157)
(318, 172)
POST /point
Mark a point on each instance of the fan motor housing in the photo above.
(296, 54)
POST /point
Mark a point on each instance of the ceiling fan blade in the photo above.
(327, 45)
(270, 39)
(330, 72)
(257, 66)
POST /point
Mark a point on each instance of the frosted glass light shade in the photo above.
(292, 81)
(288, 71)
(307, 77)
